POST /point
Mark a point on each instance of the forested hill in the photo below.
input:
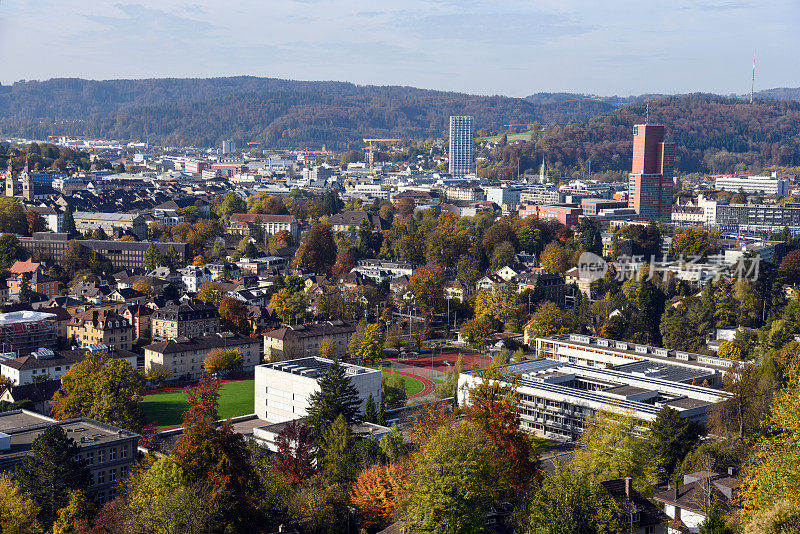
(711, 134)
(279, 113)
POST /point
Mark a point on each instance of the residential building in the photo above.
(86, 221)
(188, 319)
(193, 276)
(639, 515)
(184, 356)
(109, 451)
(272, 224)
(22, 332)
(37, 281)
(593, 206)
(127, 295)
(228, 146)
(39, 394)
(121, 254)
(650, 182)
(139, 316)
(556, 397)
(688, 504)
(348, 220)
(468, 192)
(291, 342)
(380, 270)
(53, 364)
(767, 185)
(460, 153)
(101, 326)
(567, 214)
(282, 389)
(541, 194)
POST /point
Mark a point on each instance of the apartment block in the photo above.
(290, 342)
(184, 356)
(49, 364)
(567, 215)
(767, 185)
(23, 332)
(460, 154)
(650, 181)
(282, 389)
(101, 326)
(190, 319)
(109, 451)
(272, 224)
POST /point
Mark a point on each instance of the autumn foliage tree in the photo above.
(318, 251)
(377, 492)
(293, 460)
(234, 314)
(427, 286)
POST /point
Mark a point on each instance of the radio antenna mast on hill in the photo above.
(647, 112)
(753, 80)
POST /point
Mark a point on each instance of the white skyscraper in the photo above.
(460, 145)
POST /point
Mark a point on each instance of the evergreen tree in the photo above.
(152, 258)
(25, 290)
(370, 416)
(382, 414)
(172, 259)
(338, 465)
(53, 471)
(715, 522)
(336, 396)
(669, 440)
(68, 223)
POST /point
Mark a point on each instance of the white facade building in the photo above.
(769, 185)
(460, 145)
(193, 276)
(282, 389)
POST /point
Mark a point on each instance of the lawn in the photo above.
(522, 136)
(166, 409)
(413, 386)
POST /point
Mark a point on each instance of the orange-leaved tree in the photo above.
(377, 491)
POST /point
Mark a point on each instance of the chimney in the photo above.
(731, 471)
(628, 487)
(675, 493)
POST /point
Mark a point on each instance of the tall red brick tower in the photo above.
(650, 182)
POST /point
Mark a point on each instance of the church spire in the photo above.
(26, 170)
(10, 165)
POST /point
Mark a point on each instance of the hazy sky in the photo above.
(508, 47)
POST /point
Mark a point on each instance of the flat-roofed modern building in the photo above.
(121, 254)
(591, 351)
(380, 270)
(768, 185)
(282, 389)
(87, 221)
(557, 397)
(460, 145)
(109, 451)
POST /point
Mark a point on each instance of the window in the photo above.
(90, 458)
(650, 530)
(123, 451)
(101, 456)
(112, 475)
(101, 477)
(112, 454)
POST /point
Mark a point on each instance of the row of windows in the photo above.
(100, 455)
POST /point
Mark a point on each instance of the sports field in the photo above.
(414, 386)
(444, 362)
(166, 409)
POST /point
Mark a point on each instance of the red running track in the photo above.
(429, 385)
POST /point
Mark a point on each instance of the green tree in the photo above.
(669, 440)
(451, 482)
(338, 465)
(318, 251)
(25, 292)
(610, 448)
(10, 250)
(152, 258)
(336, 396)
(371, 347)
(228, 205)
(569, 503)
(715, 522)
(19, 513)
(693, 242)
(68, 223)
(12, 217)
(370, 411)
(172, 259)
(102, 388)
(53, 471)
(393, 391)
(548, 319)
(77, 512)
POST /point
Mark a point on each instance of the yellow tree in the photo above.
(554, 258)
(729, 351)
(18, 511)
(142, 286)
(372, 342)
(548, 319)
(773, 471)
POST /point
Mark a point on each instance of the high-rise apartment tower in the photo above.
(460, 145)
(650, 182)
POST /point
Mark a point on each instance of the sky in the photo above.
(514, 48)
